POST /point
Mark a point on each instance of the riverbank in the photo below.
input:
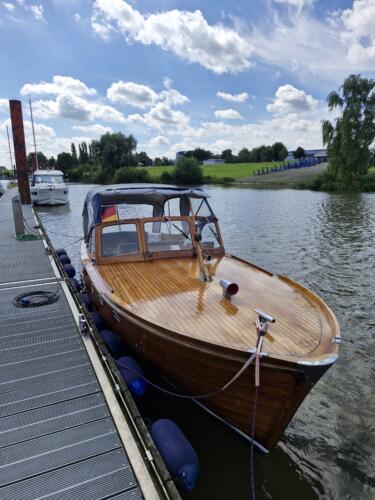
(286, 178)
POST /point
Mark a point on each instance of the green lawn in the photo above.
(233, 170)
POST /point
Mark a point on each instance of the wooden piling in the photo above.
(20, 151)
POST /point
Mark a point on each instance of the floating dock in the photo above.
(63, 433)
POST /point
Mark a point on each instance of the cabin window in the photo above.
(210, 236)
(48, 179)
(167, 236)
(120, 239)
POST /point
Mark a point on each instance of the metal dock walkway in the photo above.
(58, 438)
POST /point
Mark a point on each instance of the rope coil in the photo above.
(35, 299)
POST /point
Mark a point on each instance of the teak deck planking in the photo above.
(169, 293)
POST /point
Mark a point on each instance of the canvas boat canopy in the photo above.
(156, 195)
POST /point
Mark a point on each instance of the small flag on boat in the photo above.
(110, 214)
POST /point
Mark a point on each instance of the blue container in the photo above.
(130, 371)
(64, 259)
(113, 343)
(69, 270)
(177, 452)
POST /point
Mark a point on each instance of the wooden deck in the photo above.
(169, 293)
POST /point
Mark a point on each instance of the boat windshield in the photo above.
(167, 236)
(48, 179)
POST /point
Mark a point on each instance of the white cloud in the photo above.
(329, 49)
(296, 3)
(162, 116)
(132, 94)
(59, 85)
(167, 82)
(9, 6)
(288, 99)
(228, 114)
(173, 97)
(359, 31)
(73, 107)
(71, 101)
(106, 113)
(77, 17)
(159, 140)
(233, 97)
(142, 96)
(95, 129)
(186, 34)
(37, 11)
(4, 106)
(76, 108)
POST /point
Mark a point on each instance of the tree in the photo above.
(31, 163)
(244, 155)
(158, 162)
(52, 162)
(64, 162)
(143, 159)
(349, 139)
(227, 156)
(279, 151)
(74, 152)
(200, 154)
(188, 171)
(83, 154)
(117, 150)
(299, 153)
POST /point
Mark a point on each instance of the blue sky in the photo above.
(180, 74)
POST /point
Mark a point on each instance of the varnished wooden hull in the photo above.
(200, 367)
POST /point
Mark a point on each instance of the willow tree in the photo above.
(349, 138)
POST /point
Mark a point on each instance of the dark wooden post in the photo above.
(20, 151)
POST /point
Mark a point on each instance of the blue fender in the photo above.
(64, 259)
(97, 320)
(177, 452)
(75, 284)
(60, 251)
(113, 343)
(69, 270)
(85, 299)
(137, 386)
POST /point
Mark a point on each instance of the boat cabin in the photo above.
(47, 177)
(138, 222)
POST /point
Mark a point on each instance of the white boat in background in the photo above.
(49, 188)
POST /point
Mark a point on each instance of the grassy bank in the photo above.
(227, 172)
(326, 182)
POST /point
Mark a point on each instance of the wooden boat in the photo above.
(155, 278)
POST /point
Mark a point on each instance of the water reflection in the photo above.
(327, 243)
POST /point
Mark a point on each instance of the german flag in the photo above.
(109, 214)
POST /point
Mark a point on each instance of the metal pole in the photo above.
(32, 125)
(12, 166)
(20, 151)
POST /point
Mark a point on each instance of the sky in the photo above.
(179, 74)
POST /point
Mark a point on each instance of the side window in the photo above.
(167, 236)
(92, 241)
(210, 238)
(120, 239)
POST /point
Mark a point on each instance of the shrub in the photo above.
(227, 180)
(167, 178)
(131, 174)
(188, 171)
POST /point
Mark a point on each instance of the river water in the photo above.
(326, 242)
